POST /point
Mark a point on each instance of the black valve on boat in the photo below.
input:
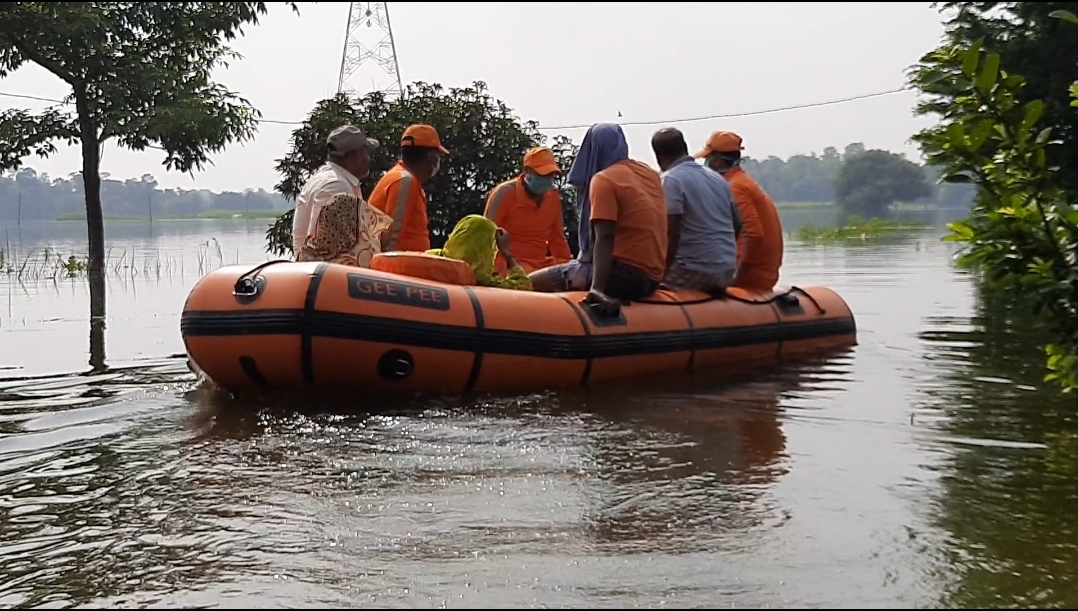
(396, 365)
(245, 286)
(248, 289)
(249, 286)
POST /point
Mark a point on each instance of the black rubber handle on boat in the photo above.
(249, 285)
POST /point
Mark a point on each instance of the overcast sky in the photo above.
(580, 63)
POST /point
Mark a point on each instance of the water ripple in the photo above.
(814, 484)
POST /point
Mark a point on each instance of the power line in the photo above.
(750, 113)
(30, 97)
(737, 114)
(66, 102)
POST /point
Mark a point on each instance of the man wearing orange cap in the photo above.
(399, 193)
(528, 208)
(760, 247)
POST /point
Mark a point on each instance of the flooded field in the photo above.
(927, 467)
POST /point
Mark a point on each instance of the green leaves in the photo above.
(140, 72)
(956, 135)
(1063, 365)
(1033, 112)
(1065, 16)
(970, 59)
(986, 78)
(23, 134)
(1020, 235)
(194, 125)
(143, 70)
(486, 140)
(960, 232)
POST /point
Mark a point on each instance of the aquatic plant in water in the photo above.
(857, 230)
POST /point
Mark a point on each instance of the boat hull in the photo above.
(327, 328)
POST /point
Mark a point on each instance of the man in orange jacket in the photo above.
(760, 247)
(399, 193)
(528, 208)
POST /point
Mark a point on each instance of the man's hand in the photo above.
(602, 302)
(501, 238)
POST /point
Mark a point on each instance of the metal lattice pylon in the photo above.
(369, 61)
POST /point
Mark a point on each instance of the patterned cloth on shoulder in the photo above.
(347, 231)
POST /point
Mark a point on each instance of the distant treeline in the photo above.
(46, 198)
(810, 179)
(799, 179)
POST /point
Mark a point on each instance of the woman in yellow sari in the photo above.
(476, 240)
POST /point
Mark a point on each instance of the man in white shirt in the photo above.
(348, 162)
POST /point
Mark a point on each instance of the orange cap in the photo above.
(541, 160)
(721, 142)
(422, 135)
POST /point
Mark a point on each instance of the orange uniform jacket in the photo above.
(533, 228)
(399, 195)
(760, 249)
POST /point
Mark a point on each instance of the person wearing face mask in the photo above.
(528, 208)
(760, 248)
(399, 193)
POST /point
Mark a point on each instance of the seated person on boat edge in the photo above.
(623, 200)
(348, 162)
(701, 251)
(399, 193)
(347, 231)
(760, 248)
(528, 208)
(473, 241)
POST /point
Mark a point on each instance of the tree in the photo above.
(485, 139)
(1029, 42)
(1022, 235)
(870, 182)
(800, 178)
(139, 74)
(811, 178)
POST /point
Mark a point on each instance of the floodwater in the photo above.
(927, 467)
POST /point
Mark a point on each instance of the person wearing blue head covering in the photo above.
(604, 145)
(618, 197)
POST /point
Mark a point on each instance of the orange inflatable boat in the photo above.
(414, 322)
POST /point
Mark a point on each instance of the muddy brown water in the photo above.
(927, 467)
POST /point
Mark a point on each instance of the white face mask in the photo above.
(729, 164)
(437, 166)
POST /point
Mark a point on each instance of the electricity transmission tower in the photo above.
(369, 61)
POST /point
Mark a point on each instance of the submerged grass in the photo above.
(206, 215)
(858, 230)
(48, 264)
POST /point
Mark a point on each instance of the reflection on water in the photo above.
(1009, 500)
(592, 498)
(927, 467)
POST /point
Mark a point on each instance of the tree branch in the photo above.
(23, 134)
(44, 62)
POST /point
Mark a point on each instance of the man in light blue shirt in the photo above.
(702, 219)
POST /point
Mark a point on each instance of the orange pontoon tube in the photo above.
(325, 328)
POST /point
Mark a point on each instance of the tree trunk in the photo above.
(95, 228)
